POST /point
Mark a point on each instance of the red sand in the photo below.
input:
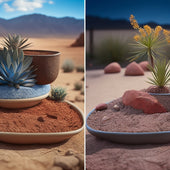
(48, 116)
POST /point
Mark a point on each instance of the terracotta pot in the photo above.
(46, 63)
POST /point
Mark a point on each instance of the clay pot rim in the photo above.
(71, 133)
(51, 53)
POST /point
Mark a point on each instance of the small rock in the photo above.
(112, 68)
(40, 119)
(69, 152)
(143, 101)
(134, 69)
(144, 65)
(66, 162)
(116, 107)
(104, 118)
(101, 106)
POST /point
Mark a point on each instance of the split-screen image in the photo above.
(84, 85)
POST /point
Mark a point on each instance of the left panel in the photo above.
(42, 84)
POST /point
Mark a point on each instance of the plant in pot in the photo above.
(150, 43)
(33, 117)
(45, 61)
(18, 84)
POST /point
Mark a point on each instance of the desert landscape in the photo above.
(43, 157)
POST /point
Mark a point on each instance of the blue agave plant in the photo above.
(15, 68)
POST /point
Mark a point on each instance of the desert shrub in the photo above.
(82, 91)
(78, 86)
(80, 69)
(111, 50)
(58, 93)
(68, 65)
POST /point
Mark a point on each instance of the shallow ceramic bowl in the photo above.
(13, 98)
(131, 138)
(41, 138)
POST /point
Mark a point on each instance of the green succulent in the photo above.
(78, 86)
(15, 42)
(68, 66)
(58, 93)
(16, 69)
(160, 73)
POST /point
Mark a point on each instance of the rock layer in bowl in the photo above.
(10, 97)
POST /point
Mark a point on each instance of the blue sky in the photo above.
(144, 10)
(57, 8)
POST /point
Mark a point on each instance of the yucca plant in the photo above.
(15, 42)
(149, 42)
(16, 69)
(160, 76)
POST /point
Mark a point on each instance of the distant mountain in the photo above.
(42, 25)
(93, 22)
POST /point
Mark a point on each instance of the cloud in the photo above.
(8, 8)
(50, 2)
(27, 5)
(23, 5)
(2, 1)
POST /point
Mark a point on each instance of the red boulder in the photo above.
(144, 65)
(101, 106)
(143, 101)
(134, 69)
(112, 68)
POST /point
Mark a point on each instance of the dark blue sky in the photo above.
(144, 10)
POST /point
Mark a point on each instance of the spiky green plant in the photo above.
(160, 73)
(58, 93)
(15, 42)
(16, 69)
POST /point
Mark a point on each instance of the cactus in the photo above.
(58, 93)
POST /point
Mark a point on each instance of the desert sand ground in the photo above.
(41, 157)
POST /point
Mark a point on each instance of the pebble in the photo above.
(105, 118)
(66, 162)
(116, 107)
(101, 106)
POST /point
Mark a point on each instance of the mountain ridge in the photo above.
(99, 23)
(42, 25)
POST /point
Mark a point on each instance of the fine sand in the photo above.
(41, 157)
(102, 154)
